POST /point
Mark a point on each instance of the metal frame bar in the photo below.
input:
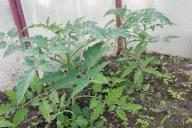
(18, 17)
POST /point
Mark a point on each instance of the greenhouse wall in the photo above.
(60, 11)
(10, 66)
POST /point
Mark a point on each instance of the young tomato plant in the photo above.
(65, 81)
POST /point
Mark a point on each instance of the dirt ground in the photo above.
(162, 109)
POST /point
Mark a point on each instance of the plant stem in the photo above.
(68, 61)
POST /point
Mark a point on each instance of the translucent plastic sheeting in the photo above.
(10, 66)
(60, 11)
(179, 11)
(6, 21)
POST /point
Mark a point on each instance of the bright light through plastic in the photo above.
(44, 3)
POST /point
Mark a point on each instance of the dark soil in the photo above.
(161, 104)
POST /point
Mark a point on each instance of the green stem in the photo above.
(68, 61)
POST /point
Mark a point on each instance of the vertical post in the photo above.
(119, 23)
(18, 16)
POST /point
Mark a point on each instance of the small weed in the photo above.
(168, 116)
(188, 120)
(176, 94)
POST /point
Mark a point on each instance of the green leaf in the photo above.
(46, 110)
(24, 82)
(29, 95)
(6, 108)
(60, 50)
(3, 44)
(132, 107)
(94, 74)
(54, 97)
(12, 32)
(92, 55)
(97, 87)
(128, 70)
(146, 61)
(80, 85)
(113, 95)
(121, 114)
(2, 36)
(81, 121)
(20, 116)
(67, 81)
(97, 111)
(76, 109)
(153, 71)
(47, 67)
(11, 95)
(140, 48)
(47, 21)
(94, 103)
(138, 78)
(36, 85)
(38, 40)
(5, 123)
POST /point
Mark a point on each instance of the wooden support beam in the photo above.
(119, 23)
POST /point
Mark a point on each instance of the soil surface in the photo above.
(162, 109)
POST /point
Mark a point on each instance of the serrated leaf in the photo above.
(132, 107)
(24, 82)
(6, 108)
(59, 50)
(54, 97)
(93, 103)
(138, 78)
(128, 70)
(36, 85)
(2, 36)
(3, 44)
(5, 123)
(92, 55)
(97, 87)
(12, 32)
(121, 114)
(80, 85)
(20, 116)
(95, 76)
(38, 40)
(29, 95)
(11, 95)
(153, 71)
(46, 110)
(147, 61)
(47, 67)
(67, 81)
(140, 48)
(81, 121)
(97, 111)
(76, 109)
(113, 95)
